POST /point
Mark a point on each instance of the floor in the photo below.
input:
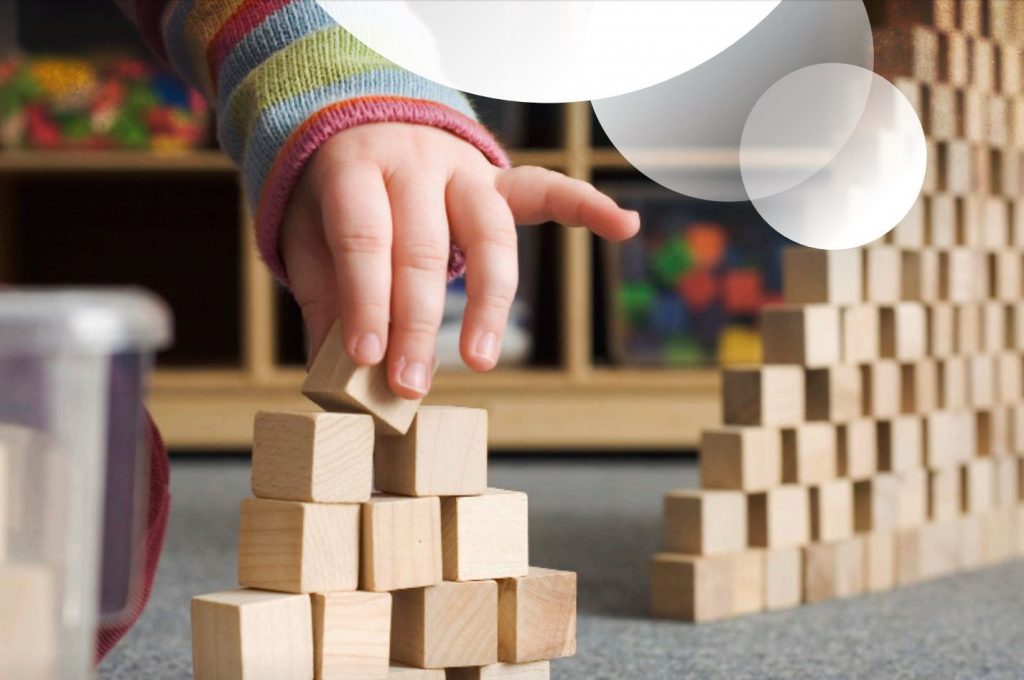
(600, 517)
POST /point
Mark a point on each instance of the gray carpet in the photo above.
(601, 519)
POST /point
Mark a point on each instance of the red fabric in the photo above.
(156, 527)
(248, 16)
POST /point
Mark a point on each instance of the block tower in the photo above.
(373, 548)
(881, 442)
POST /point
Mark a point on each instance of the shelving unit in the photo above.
(576, 405)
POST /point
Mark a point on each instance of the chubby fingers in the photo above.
(482, 224)
(537, 195)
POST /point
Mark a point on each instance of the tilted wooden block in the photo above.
(707, 588)
(912, 500)
(954, 58)
(401, 543)
(992, 432)
(537, 616)
(809, 454)
(705, 522)
(765, 395)
(970, 553)
(944, 494)
(977, 486)
(812, 276)
(910, 231)
(336, 383)
(783, 578)
(952, 377)
(907, 51)
(250, 635)
(919, 386)
(444, 453)
(939, 14)
(981, 381)
(956, 275)
(833, 570)
(351, 635)
(1008, 473)
(742, 458)
(875, 503)
(398, 671)
(880, 382)
(882, 276)
(315, 457)
(968, 328)
(831, 510)
(779, 517)
(949, 438)
(858, 449)
(298, 547)
(945, 226)
(941, 322)
(879, 561)
(919, 271)
(902, 331)
(29, 627)
(1009, 379)
(945, 112)
(900, 444)
(422, 630)
(537, 670)
(834, 393)
(807, 335)
(983, 60)
(485, 536)
(859, 333)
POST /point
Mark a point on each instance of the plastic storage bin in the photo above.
(73, 470)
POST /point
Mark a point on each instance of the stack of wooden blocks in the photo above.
(429, 572)
(881, 442)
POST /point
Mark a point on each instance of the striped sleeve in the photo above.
(284, 77)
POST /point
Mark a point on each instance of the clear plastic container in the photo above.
(73, 470)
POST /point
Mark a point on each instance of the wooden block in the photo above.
(537, 616)
(880, 382)
(1011, 73)
(940, 320)
(912, 498)
(919, 275)
(956, 161)
(485, 536)
(956, 275)
(810, 275)
(704, 522)
(910, 232)
(831, 510)
(879, 561)
(945, 113)
(954, 58)
(933, 169)
(336, 383)
(707, 588)
(537, 670)
(997, 536)
(926, 552)
(422, 630)
(860, 333)
(809, 454)
(911, 51)
(742, 458)
(981, 384)
(993, 432)
(398, 671)
(401, 543)
(1006, 272)
(1009, 383)
(983, 60)
(783, 578)
(766, 395)
(944, 494)
(970, 554)
(975, 108)
(993, 327)
(833, 393)
(800, 334)
(1015, 326)
(968, 329)
(945, 225)
(858, 449)
(978, 486)
(919, 386)
(900, 444)
(444, 453)
(298, 547)
(902, 333)
(833, 570)
(1008, 482)
(949, 438)
(882, 276)
(876, 503)
(252, 634)
(30, 625)
(315, 457)
(351, 635)
(952, 379)
(779, 517)
(940, 14)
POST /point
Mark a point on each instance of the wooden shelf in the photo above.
(198, 161)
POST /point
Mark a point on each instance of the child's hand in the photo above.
(366, 239)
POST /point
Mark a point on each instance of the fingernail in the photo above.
(369, 348)
(487, 347)
(414, 377)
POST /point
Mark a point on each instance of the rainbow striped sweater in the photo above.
(284, 77)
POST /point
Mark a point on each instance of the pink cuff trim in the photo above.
(341, 116)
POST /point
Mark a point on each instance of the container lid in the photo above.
(82, 320)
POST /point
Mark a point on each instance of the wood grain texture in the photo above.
(741, 458)
(833, 570)
(764, 395)
(880, 382)
(912, 503)
(902, 331)
(705, 522)
(900, 444)
(882, 276)
(448, 624)
(707, 588)
(351, 635)
(919, 386)
(831, 510)
(977, 486)
(875, 503)
(537, 670)
(298, 547)
(29, 629)
(857, 443)
(809, 454)
(537, 616)
(336, 383)
(252, 635)
(859, 333)
(401, 543)
(399, 671)
(879, 561)
(313, 457)
(485, 536)
(807, 335)
(822, 276)
(834, 394)
(943, 494)
(783, 578)
(779, 517)
(444, 453)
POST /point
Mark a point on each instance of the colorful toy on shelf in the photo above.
(119, 103)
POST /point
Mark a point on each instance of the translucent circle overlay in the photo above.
(833, 187)
(549, 50)
(684, 133)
